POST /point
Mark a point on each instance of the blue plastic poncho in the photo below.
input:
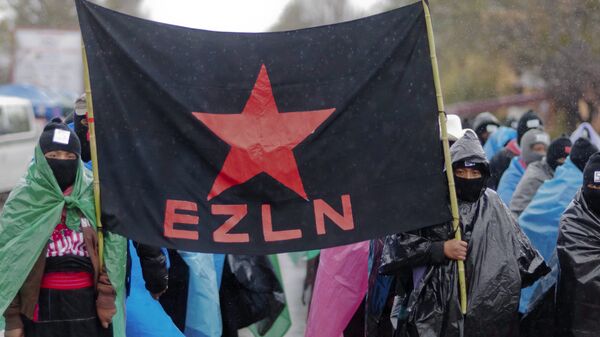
(540, 219)
(145, 315)
(203, 318)
(510, 179)
(498, 140)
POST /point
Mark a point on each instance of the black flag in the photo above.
(259, 143)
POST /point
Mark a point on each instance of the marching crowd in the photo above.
(529, 211)
(529, 216)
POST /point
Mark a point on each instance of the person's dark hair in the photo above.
(581, 152)
(559, 148)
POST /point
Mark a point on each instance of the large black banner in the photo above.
(260, 143)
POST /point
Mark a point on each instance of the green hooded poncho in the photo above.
(30, 214)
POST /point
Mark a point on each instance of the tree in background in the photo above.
(485, 47)
(310, 13)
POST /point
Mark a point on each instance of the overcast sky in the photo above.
(223, 15)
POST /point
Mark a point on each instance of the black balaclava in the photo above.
(82, 130)
(57, 136)
(581, 151)
(559, 148)
(470, 190)
(591, 176)
(527, 122)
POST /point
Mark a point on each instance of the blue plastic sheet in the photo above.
(510, 179)
(540, 219)
(145, 315)
(497, 140)
(203, 318)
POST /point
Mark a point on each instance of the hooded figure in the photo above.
(484, 125)
(150, 280)
(540, 219)
(498, 140)
(501, 160)
(51, 280)
(380, 293)
(534, 145)
(578, 248)
(538, 172)
(499, 261)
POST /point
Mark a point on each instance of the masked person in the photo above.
(538, 172)
(380, 293)
(499, 260)
(505, 133)
(578, 248)
(540, 219)
(501, 160)
(484, 125)
(533, 146)
(49, 262)
(143, 315)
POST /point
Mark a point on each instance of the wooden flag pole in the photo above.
(94, 153)
(448, 160)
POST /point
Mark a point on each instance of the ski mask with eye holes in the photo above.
(468, 153)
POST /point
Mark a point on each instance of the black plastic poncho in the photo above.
(578, 289)
(500, 261)
(250, 293)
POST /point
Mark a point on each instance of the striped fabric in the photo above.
(64, 241)
(67, 281)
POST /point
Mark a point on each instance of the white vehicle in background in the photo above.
(18, 138)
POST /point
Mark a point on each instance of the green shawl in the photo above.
(32, 211)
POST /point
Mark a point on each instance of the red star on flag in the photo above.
(262, 139)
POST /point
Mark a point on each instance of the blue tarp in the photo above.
(203, 317)
(510, 179)
(497, 140)
(145, 315)
(540, 219)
